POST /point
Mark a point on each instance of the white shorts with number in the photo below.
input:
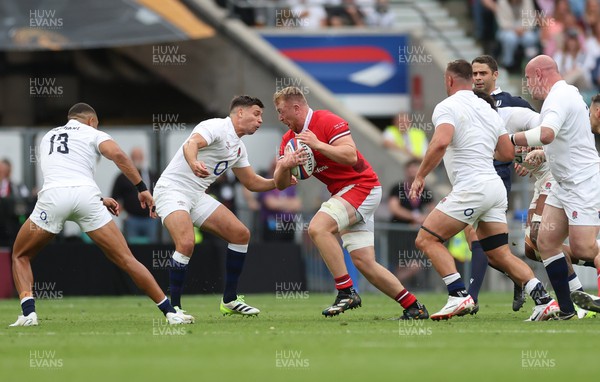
(581, 202)
(80, 204)
(542, 186)
(485, 201)
(198, 204)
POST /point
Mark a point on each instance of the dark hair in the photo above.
(486, 97)
(486, 60)
(245, 101)
(596, 98)
(461, 68)
(80, 109)
(412, 162)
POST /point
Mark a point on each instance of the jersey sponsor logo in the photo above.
(341, 124)
(320, 169)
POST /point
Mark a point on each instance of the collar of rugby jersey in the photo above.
(497, 91)
(307, 120)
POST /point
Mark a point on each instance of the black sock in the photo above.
(233, 269)
(176, 278)
(479, 264)
(540, 295)
(28, 306)
(558, 273)
(349, 290)
(165, 306)
(455, 285)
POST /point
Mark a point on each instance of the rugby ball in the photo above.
(306, 170)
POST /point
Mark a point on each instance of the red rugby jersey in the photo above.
(328, 127)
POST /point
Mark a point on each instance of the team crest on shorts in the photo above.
(548, 185)
(574, 215)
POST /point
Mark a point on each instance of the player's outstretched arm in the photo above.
(283, 176)
(538, 136)
(252, 181)
(342, 150)
(111, 150)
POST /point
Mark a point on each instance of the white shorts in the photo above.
(485, 201)
(79, 204)
(542, 186)
(368, 200)
(198, 204)
(581, 202)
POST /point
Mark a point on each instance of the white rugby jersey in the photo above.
(69, 154)
(469, 157)
(572, 156)
(224, 150)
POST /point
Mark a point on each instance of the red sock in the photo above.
(343, 282)
(405, 298)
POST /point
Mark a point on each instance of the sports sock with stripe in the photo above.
(165, 306)
(28, 306)
(479, 264)
(179, 264)
(236, 256)
(558, 273)
(455, 285)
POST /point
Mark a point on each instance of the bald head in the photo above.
(541, 74)
(542, 62)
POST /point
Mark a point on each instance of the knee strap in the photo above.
(493, 242)
(441, 239)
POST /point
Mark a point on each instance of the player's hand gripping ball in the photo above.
(302, 171)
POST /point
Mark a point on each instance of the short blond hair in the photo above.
(291, 92)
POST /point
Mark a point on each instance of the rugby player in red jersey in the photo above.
(356, 193)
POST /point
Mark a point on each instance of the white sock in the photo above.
(529, 285)
(575, 284)
(451, 278)
(181, 258)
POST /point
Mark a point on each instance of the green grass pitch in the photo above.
(125, 339)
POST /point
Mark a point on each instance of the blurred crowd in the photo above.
(567, 30)
(312, 14)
